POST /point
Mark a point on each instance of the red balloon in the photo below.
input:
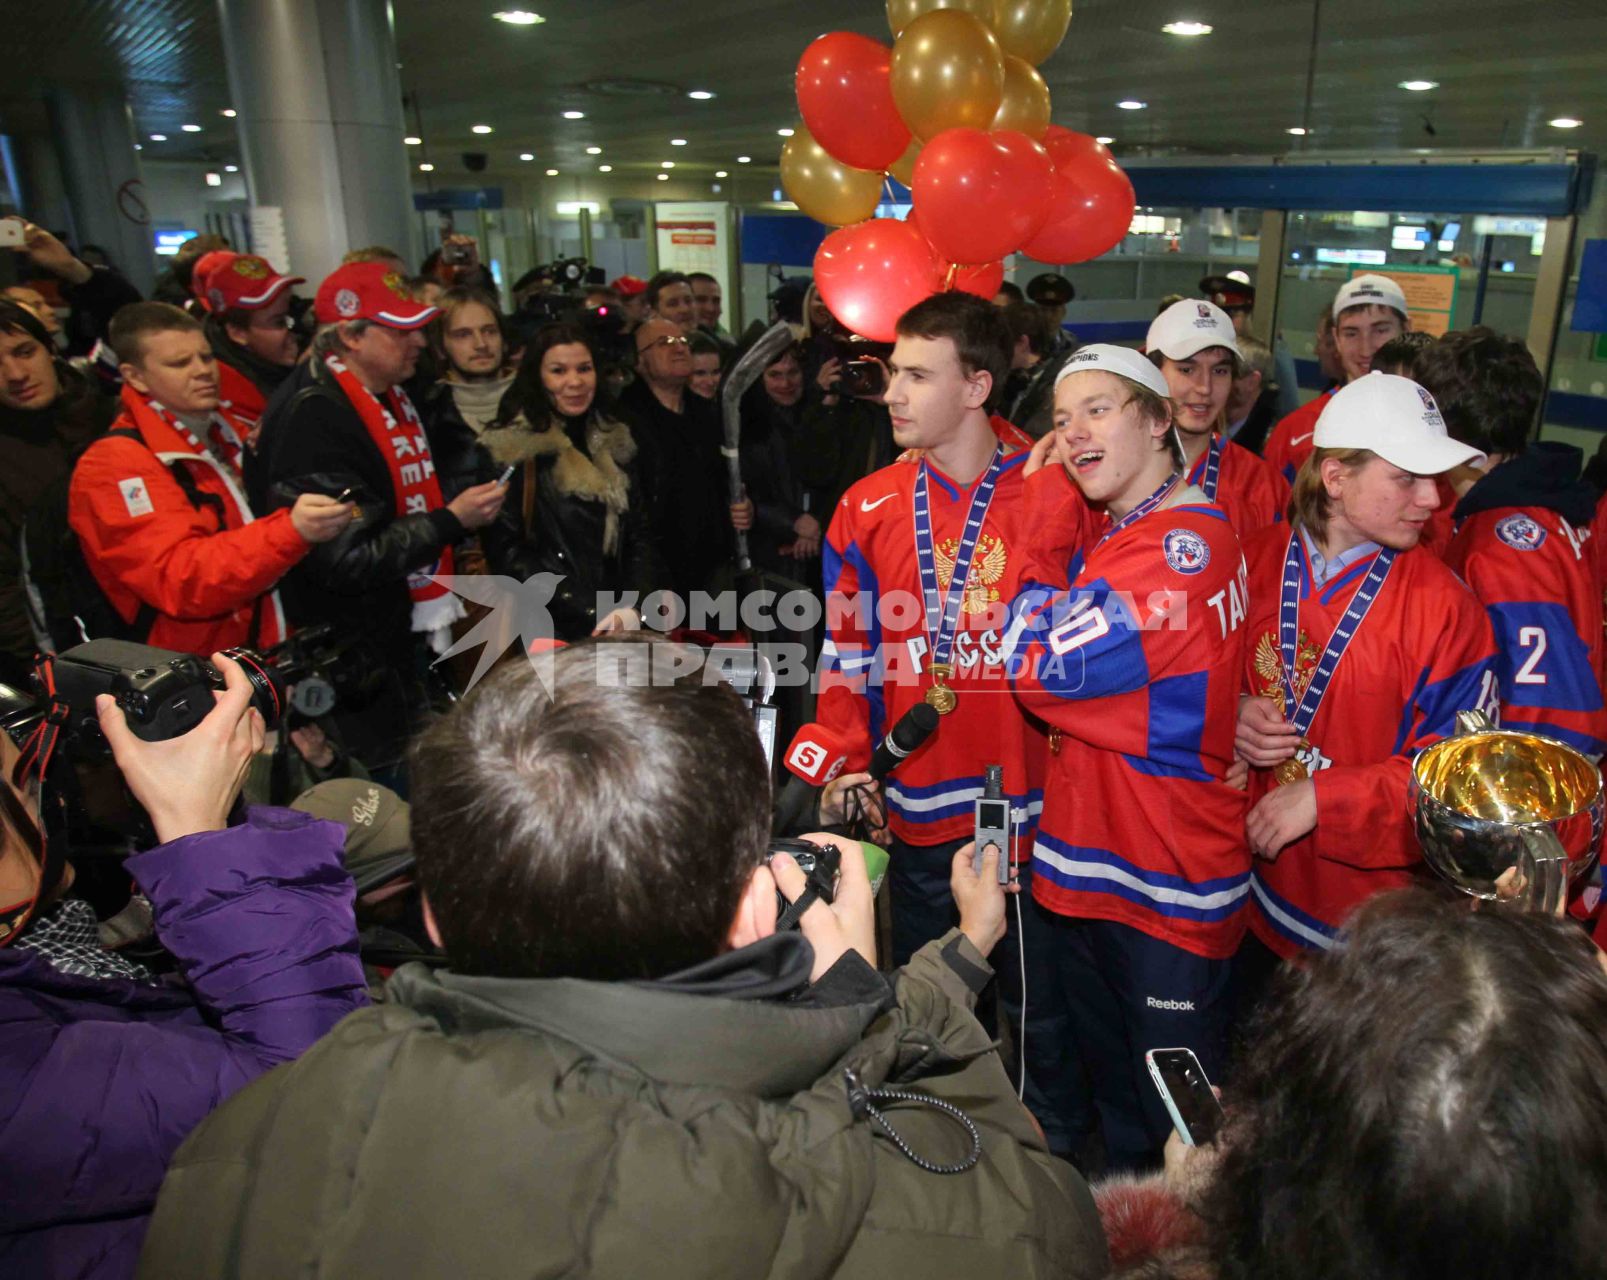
(871, 273)
(984, 281)
(981, 195)
(845, 100)
(1091, 201)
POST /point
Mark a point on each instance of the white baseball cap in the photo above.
(1369, 290)
(1395, 418)
(1188, 327)
(1122, 361)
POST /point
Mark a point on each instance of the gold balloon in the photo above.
(900, 13)
(824, 188)
(947, 72)
(1026, 100)
(1029, 29)
(904, 167)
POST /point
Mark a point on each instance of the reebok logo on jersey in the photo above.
(1171, 1006)
(865, 505)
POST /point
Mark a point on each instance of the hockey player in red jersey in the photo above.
(1128, 644)
(921, 561)
(1368, 311)
(1363, 646)
(1194, 345)
(1523, 540)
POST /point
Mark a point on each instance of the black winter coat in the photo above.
(587, 518)
(314, 442)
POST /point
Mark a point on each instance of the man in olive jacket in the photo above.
(627, 1069)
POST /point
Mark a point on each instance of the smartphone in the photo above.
(1187, 1094)
(507, 475)
(11, 233)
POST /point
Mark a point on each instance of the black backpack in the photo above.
(66, 606)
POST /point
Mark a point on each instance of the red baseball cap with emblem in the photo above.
(373, 291)
(226, 281)
(629, 286)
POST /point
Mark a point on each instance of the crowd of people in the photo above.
(1191, 632)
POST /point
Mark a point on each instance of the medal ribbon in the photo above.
(1207, 471)
(942, 644)
(1344, 633)
(1141, 510)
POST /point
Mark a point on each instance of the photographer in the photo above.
(626, 1068)
(103, 1069)
(49, 412)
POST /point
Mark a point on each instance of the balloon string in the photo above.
(954, 270)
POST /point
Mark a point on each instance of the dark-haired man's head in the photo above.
(163, 353)
(1399, 355)
(28, 377)
(598, 851)
(1488, 388)
(707, 302)
(1032, 332)
(669, 296)
(948, 365)
(1426, 1100)
(1007, 294)
(30, 299)
(468, 334)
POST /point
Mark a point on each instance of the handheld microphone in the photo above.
(817, 755)
(914, 728)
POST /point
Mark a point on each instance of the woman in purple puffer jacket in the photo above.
(103, 1069)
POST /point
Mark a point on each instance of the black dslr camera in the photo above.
(162, 694)
(820, 864)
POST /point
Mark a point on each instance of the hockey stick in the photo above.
(770, 344)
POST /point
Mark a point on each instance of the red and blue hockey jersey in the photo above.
(874, 662)
(1536, 574)
(1422, 653)
(1290, 443)
(1131, 652)
(1249, 489)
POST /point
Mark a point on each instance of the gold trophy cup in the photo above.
(1505, 815)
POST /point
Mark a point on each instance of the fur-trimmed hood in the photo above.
(598, 477)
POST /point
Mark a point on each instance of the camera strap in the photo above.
(794, 913)
(32, 766)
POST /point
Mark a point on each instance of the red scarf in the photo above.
(397, 432)
(169, 439)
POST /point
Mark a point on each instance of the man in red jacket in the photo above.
(249, 325)
(159, 506)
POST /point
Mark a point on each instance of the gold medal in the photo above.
(940, 697)
(1292, 770)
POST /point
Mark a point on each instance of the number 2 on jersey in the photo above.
(1534, 640)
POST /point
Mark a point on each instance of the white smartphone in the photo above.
(1187, 1093)
(11, 233)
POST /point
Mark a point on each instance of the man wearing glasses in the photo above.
(249, 325)
(679, 465)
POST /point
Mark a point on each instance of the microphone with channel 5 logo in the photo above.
(817, 754)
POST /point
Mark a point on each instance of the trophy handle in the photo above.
(1543, 868)
(1473, 722)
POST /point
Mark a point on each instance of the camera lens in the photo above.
(267, 689)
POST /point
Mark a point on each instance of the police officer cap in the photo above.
(1051, 289)
(1228, 291)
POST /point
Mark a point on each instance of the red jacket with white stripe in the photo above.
(209, 572)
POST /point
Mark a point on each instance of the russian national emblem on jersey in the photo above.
(1520, 532)
(1269, 667)
(1186, 551)
(987, 568)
